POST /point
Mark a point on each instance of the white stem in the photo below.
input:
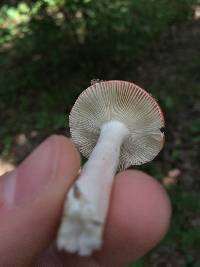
(87, 202)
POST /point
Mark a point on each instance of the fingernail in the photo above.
(8, 188)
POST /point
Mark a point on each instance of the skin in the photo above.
(31, 200)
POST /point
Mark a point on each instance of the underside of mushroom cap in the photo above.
(125, 102)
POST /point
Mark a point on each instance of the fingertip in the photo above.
(66, 154)
(139, 217)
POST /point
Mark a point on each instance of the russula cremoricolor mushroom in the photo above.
(115, 124)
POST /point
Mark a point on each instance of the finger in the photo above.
(31, 200)
(138, 218)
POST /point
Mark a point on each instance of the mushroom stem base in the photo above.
(80, 230)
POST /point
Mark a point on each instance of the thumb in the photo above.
(31, 200)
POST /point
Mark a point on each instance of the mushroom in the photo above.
(115, 124)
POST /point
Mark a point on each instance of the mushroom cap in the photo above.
(127, 103)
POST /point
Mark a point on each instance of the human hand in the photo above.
(31, 200)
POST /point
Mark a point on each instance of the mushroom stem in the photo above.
(87, 202)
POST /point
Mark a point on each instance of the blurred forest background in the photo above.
(50, 51)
